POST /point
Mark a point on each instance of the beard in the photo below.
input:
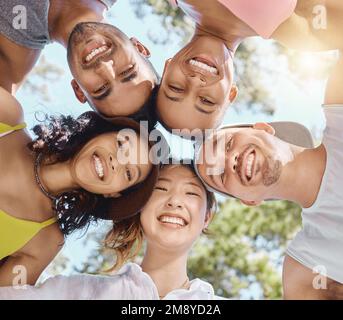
(271, 171)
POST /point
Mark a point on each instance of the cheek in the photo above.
(198, 212)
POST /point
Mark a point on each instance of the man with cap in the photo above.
(105, 63)
(276, 161)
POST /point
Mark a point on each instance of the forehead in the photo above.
(179, 173)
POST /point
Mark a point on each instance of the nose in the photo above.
(106, 69)
(174, 202)
(113, 163)
(197, 79)
(232, 161)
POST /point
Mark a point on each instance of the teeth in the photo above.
(98, 166)
(203, 66)
(250, 161)
(96, 52)
(173, 220)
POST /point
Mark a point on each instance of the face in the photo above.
(176, 213)
(197, 82)
(111, 163)
(107, 66)
(243, 162)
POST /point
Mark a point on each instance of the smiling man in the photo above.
(198, 80)
(111, 71)
(275, 161)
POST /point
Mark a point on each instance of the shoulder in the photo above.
(11, 111)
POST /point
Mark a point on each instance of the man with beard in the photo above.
(111, 72)
(256, 163)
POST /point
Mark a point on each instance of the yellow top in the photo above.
(14, 232)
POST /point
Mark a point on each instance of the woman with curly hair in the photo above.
(178, 211)
(76, 171)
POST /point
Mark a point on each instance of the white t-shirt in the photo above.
(129, 283)
(319, 245)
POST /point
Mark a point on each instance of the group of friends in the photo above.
(73, 171)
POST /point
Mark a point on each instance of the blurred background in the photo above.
(242, 257)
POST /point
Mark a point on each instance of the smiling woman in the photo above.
(178, 211)
(76, 171)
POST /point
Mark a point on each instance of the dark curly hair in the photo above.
(59, 138)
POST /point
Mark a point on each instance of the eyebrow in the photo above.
(194, 185)
(164, 179)
(103, 95)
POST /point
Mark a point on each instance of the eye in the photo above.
(102, 88)
(206, 101)
(160, 188)
(193, 194)
(229, 144)
(120, 143)
(127, 71)
(128, 174)
(176, 89)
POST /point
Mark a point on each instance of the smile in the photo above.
(173, 220)
(249, 165)
(203, 65)
(96, 52)
(99, 168)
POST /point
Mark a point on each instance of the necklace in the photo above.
(39, 183)
(185, 285)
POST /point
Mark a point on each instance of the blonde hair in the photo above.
(126, 237)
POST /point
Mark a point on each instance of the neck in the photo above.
(301, 178)
(56, 178)
(65, 15)
(167, 269)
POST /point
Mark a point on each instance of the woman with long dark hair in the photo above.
(76, 171)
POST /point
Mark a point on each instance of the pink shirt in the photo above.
(263, 16)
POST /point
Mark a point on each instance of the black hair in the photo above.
(59, 138)
(148, 111)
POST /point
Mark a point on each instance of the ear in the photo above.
(208, 219)
(251, 203)
(233, 93)
(112, 195)
(166, 64)
(142, 49)
(265, 127)
(78, 92)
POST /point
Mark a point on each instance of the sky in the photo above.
(293, 102)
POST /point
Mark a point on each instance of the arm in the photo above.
(26, 265)
(334, 86)
(298, 281)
